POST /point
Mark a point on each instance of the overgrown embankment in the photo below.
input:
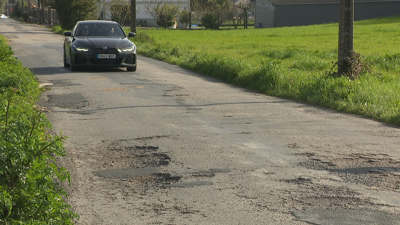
(30, 181)
(293, 62)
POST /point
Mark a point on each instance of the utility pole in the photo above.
(133, 16)
(190, 14)
(345, 35)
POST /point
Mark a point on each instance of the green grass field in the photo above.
(292, 62)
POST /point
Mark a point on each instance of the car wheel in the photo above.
(66, 65)
(73, 67)
(131, 69)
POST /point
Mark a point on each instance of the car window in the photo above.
(73, 30)
(99, 29)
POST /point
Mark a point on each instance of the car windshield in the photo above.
(99, 29)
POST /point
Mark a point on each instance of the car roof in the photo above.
(98, 21)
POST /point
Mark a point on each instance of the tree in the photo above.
(2, 5)
(41, 6)
(118, 10)
(17, 11)
(246, 7)
(184, 17)
(163, 12)
(71, 11)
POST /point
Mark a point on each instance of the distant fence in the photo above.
(47, 16)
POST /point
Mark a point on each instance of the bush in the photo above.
(210, 21)
(165, 20)
(30, 181)
(25, 16)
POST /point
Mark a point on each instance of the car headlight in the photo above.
(128, 49)
(82, 49)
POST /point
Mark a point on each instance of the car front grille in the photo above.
(106, 61)
(108, 51)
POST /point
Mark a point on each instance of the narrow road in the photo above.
(165, 145)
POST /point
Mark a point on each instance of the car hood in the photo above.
(102, 42)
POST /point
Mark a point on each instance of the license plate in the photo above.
(106, 56)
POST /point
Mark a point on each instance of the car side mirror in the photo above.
(67, 33)
(131, 34)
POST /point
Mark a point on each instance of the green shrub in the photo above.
(30, 181)
(25, 16)
(210, 21)
(5, 50)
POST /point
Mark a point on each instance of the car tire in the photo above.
(72, 66)
(131, 69)
(66, 65)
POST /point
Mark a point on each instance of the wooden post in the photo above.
(49, 18)
(190, 14)
(133, 16)
(345, 35)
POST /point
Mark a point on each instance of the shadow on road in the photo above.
(59, 70)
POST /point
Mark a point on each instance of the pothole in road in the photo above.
(327, 196)
(62, 83)
(372, 170)
(140, 156)
(210, 172)
(367, 169)
(345, 216)
(137, 166)
(150, 160)
(73, 101)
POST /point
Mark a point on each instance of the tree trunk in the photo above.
(41, 11)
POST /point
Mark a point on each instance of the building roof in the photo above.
(280, 2)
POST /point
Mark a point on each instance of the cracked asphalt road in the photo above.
(165, 145)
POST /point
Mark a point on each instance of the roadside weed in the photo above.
(30, 180)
